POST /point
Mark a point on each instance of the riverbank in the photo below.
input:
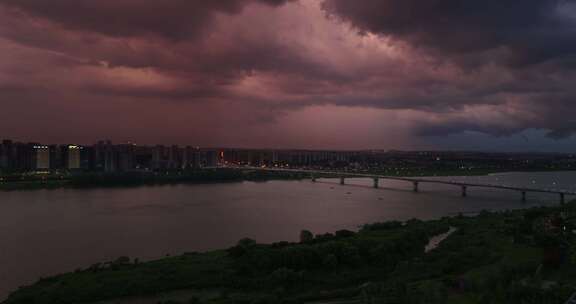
(135, 179)
(200, 176)
(508, 257)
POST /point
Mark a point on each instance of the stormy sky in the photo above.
(320, 74)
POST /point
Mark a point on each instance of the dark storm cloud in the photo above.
(174, 19)
(532, 30)
(531, 41)
(562, 133)
(457, 126)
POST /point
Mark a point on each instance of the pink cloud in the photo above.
(262, 73)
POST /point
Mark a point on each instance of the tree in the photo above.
(330, 262)
(306, 236)
(243, 246)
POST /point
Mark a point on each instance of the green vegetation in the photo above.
(525, 256)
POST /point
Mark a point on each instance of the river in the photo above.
(45, 232)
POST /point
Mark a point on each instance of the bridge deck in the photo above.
(413, 180)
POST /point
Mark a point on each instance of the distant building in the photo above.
(211, 158)
(175, 158)
(6, 155)
(142, 158)
(57, 157)
(191, 158)
(126, 157)
(41, 157)
(73, 157)
(105, 158)
(159, 158)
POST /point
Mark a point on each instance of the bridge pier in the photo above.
(415, 181)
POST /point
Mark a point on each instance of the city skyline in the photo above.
(107, 157)
(291, 74)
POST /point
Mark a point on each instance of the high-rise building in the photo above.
(41, 157)
(22, 157)
(175, 157)
(6, 155)
(126, 157)
(57, 157)
(191, 158)
(159, 158)
(105, 158)
(142, 158)
(211, 158)
(73, 157)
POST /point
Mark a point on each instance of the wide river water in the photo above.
(46, 232)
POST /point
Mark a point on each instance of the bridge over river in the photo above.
(416, 181)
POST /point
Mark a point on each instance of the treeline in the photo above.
(286, 272)
(287, 264)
